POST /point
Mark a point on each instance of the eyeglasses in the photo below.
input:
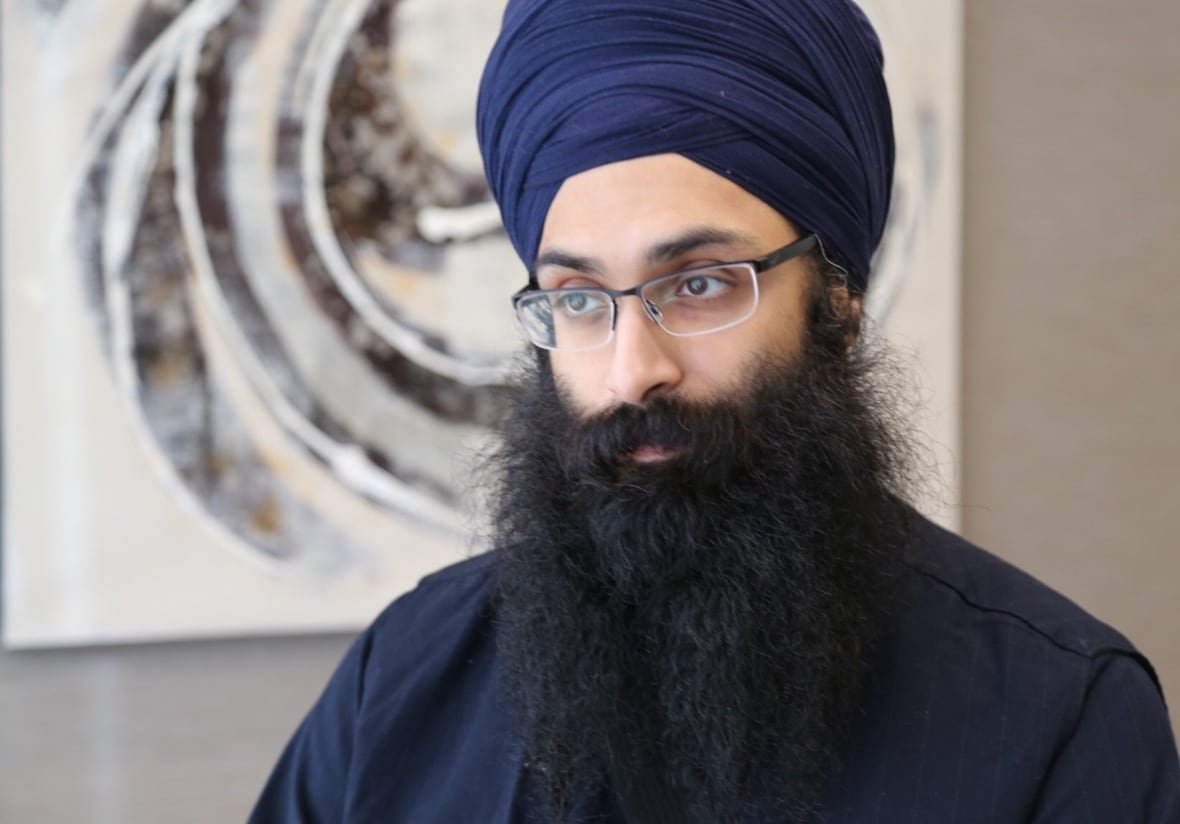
(693, 301)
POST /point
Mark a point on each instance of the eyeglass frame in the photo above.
(797, 247)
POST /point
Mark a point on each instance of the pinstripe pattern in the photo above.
(992, 699)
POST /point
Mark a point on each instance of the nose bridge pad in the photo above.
(653, 311)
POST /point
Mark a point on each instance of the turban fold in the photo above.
(786, 98)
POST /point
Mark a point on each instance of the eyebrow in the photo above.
(694, 239)
(659, 253)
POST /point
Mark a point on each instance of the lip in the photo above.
(653, 453)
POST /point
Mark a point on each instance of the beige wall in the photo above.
(1071, 304)
(1071, 457)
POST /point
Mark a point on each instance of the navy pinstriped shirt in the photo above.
(993, 699)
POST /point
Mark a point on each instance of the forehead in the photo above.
(622, 209)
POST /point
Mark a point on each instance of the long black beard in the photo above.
(697, 628)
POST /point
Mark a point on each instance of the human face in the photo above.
(625, 222)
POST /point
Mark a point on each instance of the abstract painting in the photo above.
(255, 302)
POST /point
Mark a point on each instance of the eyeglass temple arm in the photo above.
(800, 247)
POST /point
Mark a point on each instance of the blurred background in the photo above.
(1069, 463)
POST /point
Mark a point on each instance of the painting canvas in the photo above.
(255, 318)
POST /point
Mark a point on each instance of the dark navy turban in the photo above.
(784, 97)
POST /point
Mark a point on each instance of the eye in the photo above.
(573, 304)
(704, 285)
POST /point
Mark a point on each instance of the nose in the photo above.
(642, 362)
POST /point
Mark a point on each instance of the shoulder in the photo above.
(417, 676)
(1005, 694)
(1007, 698)
(450, 587)
(443, 608)
(975, 588)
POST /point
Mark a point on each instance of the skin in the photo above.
(614, 226)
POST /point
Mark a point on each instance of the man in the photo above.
(708, 601)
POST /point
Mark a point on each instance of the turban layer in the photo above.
(786, 98)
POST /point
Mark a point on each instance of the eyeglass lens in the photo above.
(683, 303)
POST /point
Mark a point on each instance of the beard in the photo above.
(693, 633)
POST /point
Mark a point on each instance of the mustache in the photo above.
(702, 434)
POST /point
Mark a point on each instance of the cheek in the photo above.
(725, 357)
(710, 366)
(781, 320)
(581, 377)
